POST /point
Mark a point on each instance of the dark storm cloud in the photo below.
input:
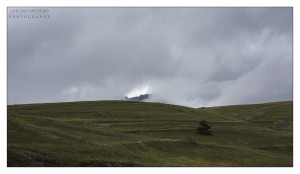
(186, 56)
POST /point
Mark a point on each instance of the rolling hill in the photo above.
(129, 133)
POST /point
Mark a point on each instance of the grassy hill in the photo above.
(128, 133)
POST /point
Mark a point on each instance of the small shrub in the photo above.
(203, 128)
(191, 141)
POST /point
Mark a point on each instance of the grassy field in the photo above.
(127, 133)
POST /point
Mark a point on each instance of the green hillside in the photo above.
(127, 133)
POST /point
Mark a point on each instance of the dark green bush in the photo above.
(203, 128)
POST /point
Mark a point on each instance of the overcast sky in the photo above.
(187, 56)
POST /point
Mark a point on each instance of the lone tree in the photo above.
(203, 128)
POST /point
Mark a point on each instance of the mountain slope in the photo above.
(141, 97)
(128, 133)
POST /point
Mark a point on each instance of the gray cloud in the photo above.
(186, 56)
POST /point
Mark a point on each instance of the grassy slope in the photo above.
(148, 134)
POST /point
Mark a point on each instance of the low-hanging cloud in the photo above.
(187, 56)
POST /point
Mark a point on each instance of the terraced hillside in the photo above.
(128, 133)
